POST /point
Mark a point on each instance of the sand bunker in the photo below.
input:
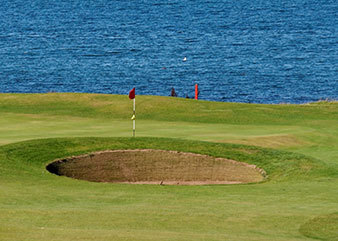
(156, 167)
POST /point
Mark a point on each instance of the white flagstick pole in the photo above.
(134, 126)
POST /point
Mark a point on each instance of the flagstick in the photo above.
(134, 119)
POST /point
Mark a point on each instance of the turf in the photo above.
(323, 227)
(296, 144)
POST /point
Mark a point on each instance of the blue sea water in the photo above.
(253, 51)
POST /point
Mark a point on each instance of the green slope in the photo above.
(300, 157)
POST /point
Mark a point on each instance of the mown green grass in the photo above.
(323, 227)
(298, 202)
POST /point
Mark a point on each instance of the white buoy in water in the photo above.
(184, 59)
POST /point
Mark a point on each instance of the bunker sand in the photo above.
(147, 166)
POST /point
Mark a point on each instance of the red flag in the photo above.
(132, 94)
(196, 91)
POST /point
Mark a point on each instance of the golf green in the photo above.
(296, 145)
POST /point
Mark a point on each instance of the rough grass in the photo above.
(297, 202)
(164, 109)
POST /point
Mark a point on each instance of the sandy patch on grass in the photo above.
(148, 166)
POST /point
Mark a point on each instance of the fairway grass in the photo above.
(323, 227)
(297, 145)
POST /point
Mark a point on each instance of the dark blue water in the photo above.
(237, 50)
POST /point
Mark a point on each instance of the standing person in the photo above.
(173, 93)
